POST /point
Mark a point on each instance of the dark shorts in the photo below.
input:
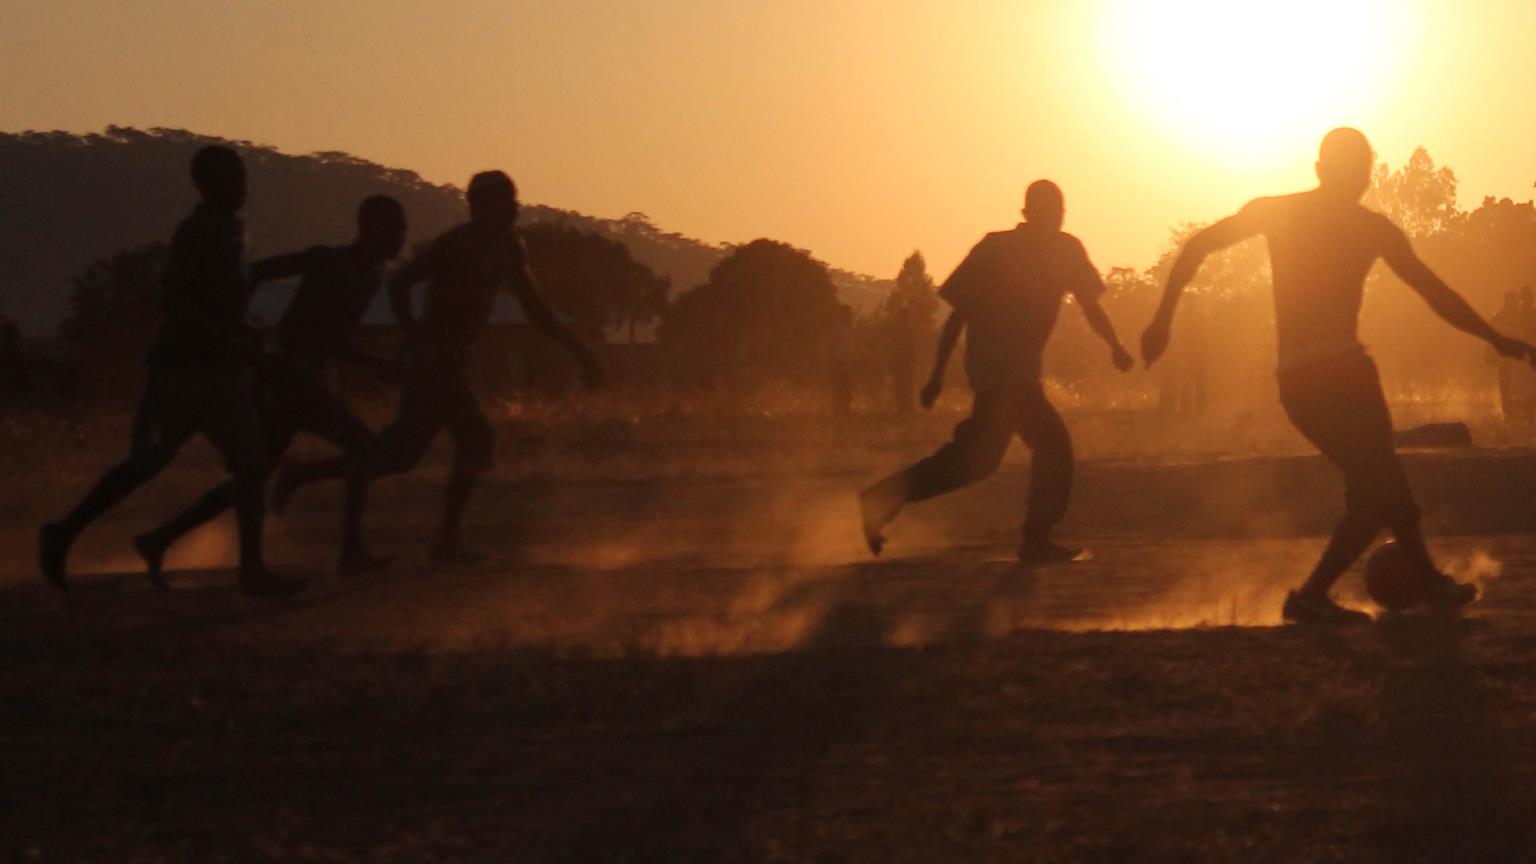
(1337, 403)
(180, 403)
(433, 401)
(295, 399)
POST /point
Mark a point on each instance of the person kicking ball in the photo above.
(1322, 243)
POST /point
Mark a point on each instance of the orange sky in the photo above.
(860, 129)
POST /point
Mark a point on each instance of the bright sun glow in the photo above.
(1246, 81)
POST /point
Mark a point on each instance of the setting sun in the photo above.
(1245, 81)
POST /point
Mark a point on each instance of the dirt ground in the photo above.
(685, 660)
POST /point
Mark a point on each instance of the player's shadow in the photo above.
(122, 604)
(918, 601)
(1451, 792)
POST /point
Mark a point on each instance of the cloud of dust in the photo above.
(754, 575)
(214, 546)
(1478, 567)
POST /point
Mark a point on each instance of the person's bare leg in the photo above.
(152, 545)
(55, 538)
(1441, 591)
(447, 548)
(295, 475)
(356, 560)
(255, 579)
(1354, 534)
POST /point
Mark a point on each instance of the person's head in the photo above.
(1344, 162)
(1044, 205)
(380, 227)
(492, 199)
(219, 175)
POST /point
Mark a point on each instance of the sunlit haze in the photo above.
(858, 130)
(1248, 84)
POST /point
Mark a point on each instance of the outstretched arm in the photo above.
(953, 326)
(415, 270)
(539, 316)
(1450, 306)
(279, 267)
(1098, 322)
(1234, 229)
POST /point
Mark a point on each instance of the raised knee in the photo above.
(982, 467)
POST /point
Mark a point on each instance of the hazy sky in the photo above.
(860, 129)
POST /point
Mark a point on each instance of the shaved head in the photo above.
(1344, 161)
(1044, 204)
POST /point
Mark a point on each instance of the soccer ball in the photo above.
(1392, 580)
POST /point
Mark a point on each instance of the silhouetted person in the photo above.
(1522, 378)
(903, 334)
(464, 269)
(1508, 320)
(1006, 295)
(197, 378)
(14, 377)
(336, 286)
(840, 361)
(1322, 243)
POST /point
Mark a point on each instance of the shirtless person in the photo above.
(1006, 295)
(464, 269)
(1322, 243)
(198, 380)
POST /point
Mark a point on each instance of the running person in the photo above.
(1322, 243)
(197, 380)
(464, 269)
(336, 286)
(1006, 295)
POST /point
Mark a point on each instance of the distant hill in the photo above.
(70, 199)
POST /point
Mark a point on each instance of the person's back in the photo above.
(1011, 287)
(333, 295)
(204, 294)
(1321, 248)
(469, 264)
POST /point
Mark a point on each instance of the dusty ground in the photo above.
(676, 660)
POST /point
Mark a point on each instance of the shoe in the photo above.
(1036, 553)
(1309, 609)
(153, 553)
(452, 553)
(52, 552)
(267, 585)
(875, 515)
(1444, 594)
(360, 563)
(283, 487)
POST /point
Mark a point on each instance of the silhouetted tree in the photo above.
(591, 279)
(1419, 197)
(114, 312)
(768, 311)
